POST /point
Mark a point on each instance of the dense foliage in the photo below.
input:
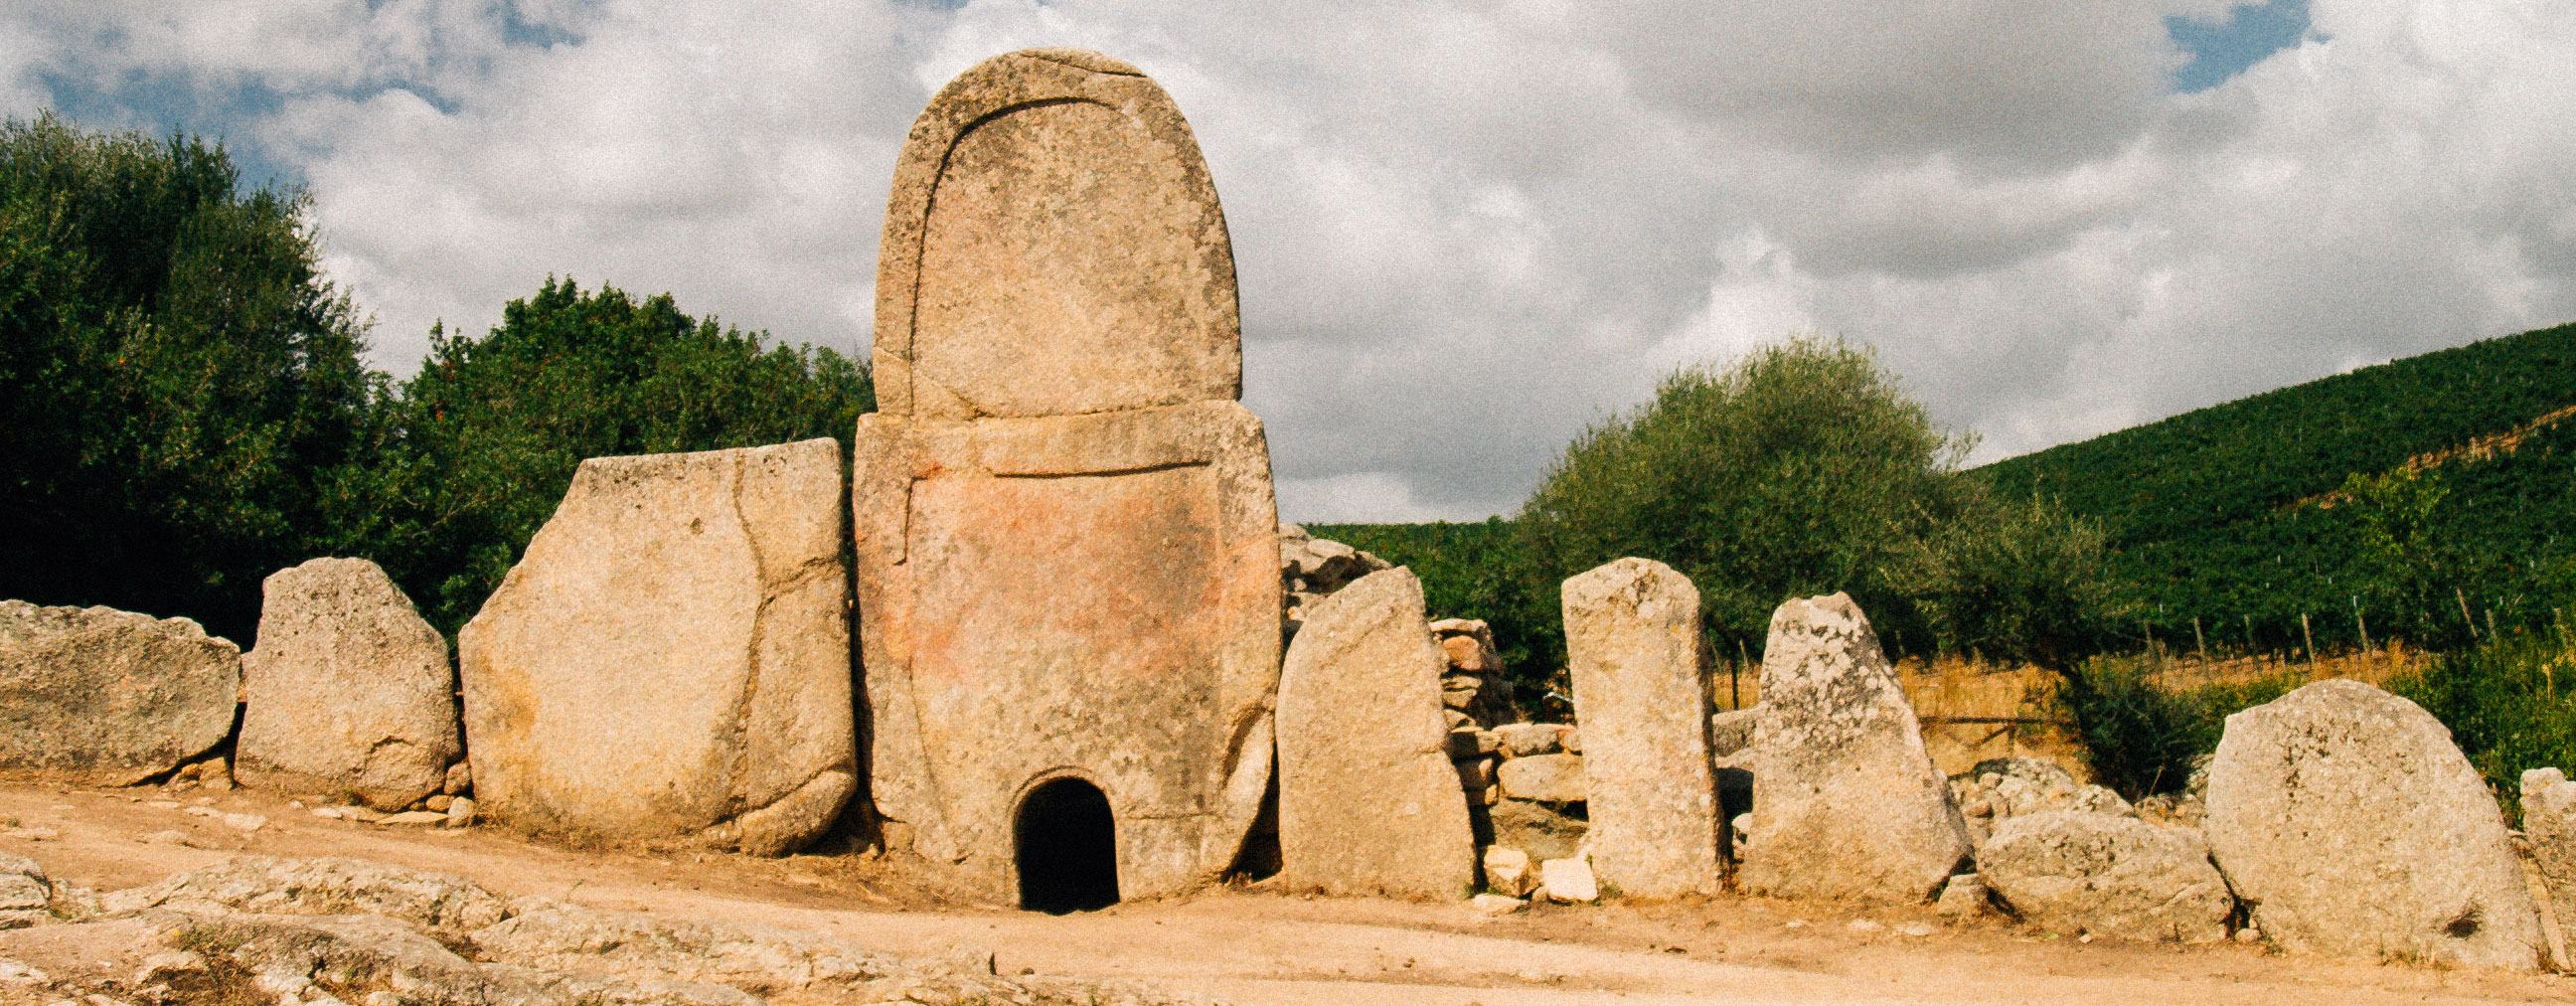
(183, 409)
(2304, 501)
(482, 443)
(180, 390)
(2510, 703)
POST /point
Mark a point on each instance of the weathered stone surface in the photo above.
(326, 886)
(1311, 567)
(348, 690)
(1731, 731)
(1368, 801)
(672, 652)
(1075, 260)
(1520, 740)
(2351, 825)
(1548, 778)
(2080, 871)
(1541, 831)
(1962, 897)
(1568, 880)
(1068, 550)
(2549, 823)
(102, 697)
(1634, 649)
(1509, 871)
(1846, 801)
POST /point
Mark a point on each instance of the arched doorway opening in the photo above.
(1066, 845)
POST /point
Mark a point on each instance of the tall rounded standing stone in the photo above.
(1632, 639)
(1067, 545)
(1368, 801)
(102, 697)
(1846, 800)
(671, 657)
(2350, 825)
(348, 690)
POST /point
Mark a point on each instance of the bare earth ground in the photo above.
(1252, 946)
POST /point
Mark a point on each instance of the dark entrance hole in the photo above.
(1067, 848)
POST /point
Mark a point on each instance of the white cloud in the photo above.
(1466, 229)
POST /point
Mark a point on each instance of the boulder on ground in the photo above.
(1635, 653)
(1846, 800)
(2080, 871)
(348, 690)
(1569, 880)
(1509, 871)
(101, 697)
(1368, 799)
(1541, 831)
(1962, 897)
(2549, 823)
(2351, 825)
(672, 655)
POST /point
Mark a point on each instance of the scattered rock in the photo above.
(1633, 640)
(1496, 904)
(1846, 800)
(100, 697)
(1863, 926)
(1507, 871)
(164, 966)
(1568, 880)
(422, 817)
(459, 781)
(1368, 802)
(2079, 871)
(701, 597)
(348, 689)
(460, 812)
(2351, 825)
(1963, 896)
(1521, 740)
(1311, 567)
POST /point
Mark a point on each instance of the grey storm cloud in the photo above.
(1464, 230)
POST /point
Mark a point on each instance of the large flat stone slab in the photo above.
(1633, 643)
(101, 697)
(1368, 801)
(349, 689)
(2350, 825)
(671, 657)
(1847, 803)
(1068, 553)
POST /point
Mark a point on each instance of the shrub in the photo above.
(2510, 703)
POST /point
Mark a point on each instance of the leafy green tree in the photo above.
(482, 443)
(2013, 581)
(178, 383)
(1801, 469)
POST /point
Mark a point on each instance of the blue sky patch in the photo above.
(2223, 49)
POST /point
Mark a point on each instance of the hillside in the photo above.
(2231, 514)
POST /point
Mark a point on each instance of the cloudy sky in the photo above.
(1464, 230)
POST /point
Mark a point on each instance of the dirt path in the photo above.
(1257, 947)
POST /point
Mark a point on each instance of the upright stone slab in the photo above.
(1368, 802)
(2349, 823)
(671, 658)
(102, 697)
(348, 690)
(1846, 801)
(1633, 644)
(1068, 559)
(2549, 822)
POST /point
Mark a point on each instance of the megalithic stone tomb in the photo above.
(1066, 537)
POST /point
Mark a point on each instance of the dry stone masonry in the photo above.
(349, 690)
(1368, 798)
(1846, 800)
(2105, 874)
(671, 657)
(2350, 825)
(102, 697)
(1068, 551)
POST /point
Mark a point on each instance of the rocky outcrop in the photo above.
(2349, 824)
(671, 659)
(1846, 801)
(2076, 871)
(1632, 637)
(1311, 567)
(1368, 799)
(101, 697)
(349, 689)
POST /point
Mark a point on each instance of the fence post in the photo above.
(2311, 640)
(2359, 621)
(1735, 699)
(2198, 641)
(2472, 623)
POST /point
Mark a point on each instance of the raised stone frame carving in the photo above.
(1064, 523)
